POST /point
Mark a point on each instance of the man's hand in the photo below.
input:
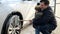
(30, 21)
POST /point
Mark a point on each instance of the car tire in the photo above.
(6, 24)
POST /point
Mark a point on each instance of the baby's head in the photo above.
(37, 8)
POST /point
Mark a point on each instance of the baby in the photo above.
(38, 13)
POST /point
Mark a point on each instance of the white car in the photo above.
(13, 15)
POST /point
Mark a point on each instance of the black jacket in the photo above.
(48, 19)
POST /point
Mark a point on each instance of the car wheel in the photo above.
(12, 24)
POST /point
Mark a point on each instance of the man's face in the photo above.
(42, 5)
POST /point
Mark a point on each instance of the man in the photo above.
(47, 22)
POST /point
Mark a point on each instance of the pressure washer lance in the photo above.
(25, 20)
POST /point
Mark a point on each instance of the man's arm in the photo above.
(46, 17)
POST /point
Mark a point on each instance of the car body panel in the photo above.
(26, 10)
